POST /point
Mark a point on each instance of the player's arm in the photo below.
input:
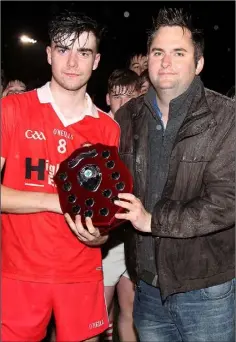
(26, 202)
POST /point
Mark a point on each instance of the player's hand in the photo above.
(136, 213)
(90, 236)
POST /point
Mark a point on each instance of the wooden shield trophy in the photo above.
(89, 181)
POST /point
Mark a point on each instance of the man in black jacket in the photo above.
(179, 142)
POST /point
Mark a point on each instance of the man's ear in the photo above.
(49, 54)
(108, 99)
(200, 65)
(96, 61)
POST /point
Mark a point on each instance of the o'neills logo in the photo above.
(62, 133)
(96, 324)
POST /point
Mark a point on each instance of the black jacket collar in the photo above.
(190, 101)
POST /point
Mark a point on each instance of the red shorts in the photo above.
(79, 310)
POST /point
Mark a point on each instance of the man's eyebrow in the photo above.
(180, 49)
(156, 49)
(161, 50)
(85, 50)
(64, 47)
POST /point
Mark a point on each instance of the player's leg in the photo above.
(80, 311)
(109, 295)
(26, 309)
(113, 268)
(125, 291)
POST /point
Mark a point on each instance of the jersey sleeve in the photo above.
(8, 123)
(117, 136)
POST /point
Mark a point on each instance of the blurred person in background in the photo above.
(137, 62)
(14, 87)
(144, 82)
(123, 85)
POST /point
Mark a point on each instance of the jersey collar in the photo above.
(45, 96)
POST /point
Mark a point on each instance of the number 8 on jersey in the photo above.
(61, 148)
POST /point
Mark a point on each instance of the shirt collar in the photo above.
(156, 107)
(111, 114)
(45, 96)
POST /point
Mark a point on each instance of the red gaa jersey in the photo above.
(36, 138)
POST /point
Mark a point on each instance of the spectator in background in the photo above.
(144, 82)
(14, 87)
(123, 85)
(138, 62)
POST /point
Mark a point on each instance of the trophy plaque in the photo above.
(88, 183)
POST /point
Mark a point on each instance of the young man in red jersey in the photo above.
(45, 267)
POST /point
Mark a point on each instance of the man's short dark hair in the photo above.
(63, 25)
(124, 79)
(177, 17)
(135, 54)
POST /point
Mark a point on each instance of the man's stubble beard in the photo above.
(157, 85)
(69, 87)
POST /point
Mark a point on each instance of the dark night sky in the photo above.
(124, 35)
